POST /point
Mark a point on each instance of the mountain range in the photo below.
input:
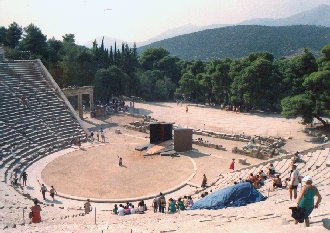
(239, 41)
(317, 16)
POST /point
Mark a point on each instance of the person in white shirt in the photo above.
(121, 210)
(294, 181)
(132, 209)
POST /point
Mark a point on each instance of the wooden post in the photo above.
(95, 215)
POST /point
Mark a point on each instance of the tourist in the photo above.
(87, 207)
(251, 178)
(294, 181)
(92, 136)
(186, 201)
(120, 162)
(132, 209)
(306, 198)
(102, 135)
(204, 181)
(141, 207)
(24, 176)
(172, 208)
(232, 165)
(98, 136)
(271, 170)
(127, 210)
(43, 190)
(181, 204)
(256, 183)
(115, 209)
(52, 192)
(187, 108)
(121, 210)
(35, 212)
(262, 174)
(277, 182)
(190, 202)
(162, 203)
(155, 204)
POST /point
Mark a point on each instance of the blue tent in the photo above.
(233, 196)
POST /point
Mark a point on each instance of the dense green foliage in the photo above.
(297, 86)
(240, 41)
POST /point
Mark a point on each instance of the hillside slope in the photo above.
(239, 41)
(317, 16)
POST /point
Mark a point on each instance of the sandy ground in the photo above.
(199, 117)
(94, 172)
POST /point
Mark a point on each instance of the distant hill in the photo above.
(239, 41)
(317, 16)
(185, 29)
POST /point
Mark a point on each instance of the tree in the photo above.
(3, 32)
(110, 82)
(151, 56)
(315, 101)
(13, 35)
(34, 41)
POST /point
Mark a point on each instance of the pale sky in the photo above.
(139, 20)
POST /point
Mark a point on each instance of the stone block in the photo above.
(326, 223)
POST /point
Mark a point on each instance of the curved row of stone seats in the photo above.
(314, 164)
(34, 120)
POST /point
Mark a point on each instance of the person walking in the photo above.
(294, 181)
(24, 176)
(43, 190)
(52, 192)
(306, 199)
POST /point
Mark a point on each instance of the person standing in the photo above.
(43, 190)
(204, 181)
(52, 192)
(120, 161)
(24, 176)
(232, 165)
(294, 181)
(306, 199)
(162, 203)
(155, 204)
(87, 207)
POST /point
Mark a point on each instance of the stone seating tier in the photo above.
(36, 128)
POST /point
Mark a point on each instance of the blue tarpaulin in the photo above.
(233, 196)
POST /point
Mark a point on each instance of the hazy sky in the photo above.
(138, 20)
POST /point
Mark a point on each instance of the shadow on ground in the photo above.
(194, 153)
(103, 125)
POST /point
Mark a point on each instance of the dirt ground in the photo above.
(94, 172)
(201, 117)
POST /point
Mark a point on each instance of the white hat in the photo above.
(307, 178)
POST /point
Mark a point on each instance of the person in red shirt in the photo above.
(35, 212)
(232, 165)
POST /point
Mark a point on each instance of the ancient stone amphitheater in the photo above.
(37, 120)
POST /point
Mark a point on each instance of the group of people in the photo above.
(129, 208)
(100, 136)
(159, 204)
